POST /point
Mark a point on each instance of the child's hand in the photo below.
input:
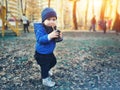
(53, 34)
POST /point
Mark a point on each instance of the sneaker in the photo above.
(48, 82)
(50, 73)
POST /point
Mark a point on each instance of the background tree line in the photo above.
(73, 14)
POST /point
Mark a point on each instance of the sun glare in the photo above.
(91, 5)
(97, 3)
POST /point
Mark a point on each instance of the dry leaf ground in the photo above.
(86, 61)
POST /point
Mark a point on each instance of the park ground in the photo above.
(85, 61)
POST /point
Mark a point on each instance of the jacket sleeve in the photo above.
(41, 36)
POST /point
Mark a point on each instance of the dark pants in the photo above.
(46, 62)
(92, 27)
(25, 28)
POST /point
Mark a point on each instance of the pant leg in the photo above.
(53, 61)
(46, 62)
(24, 28)
(27, 28)
(44, 70)
(93, 26)
(90, 28)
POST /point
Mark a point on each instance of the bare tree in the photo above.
(25, 7)
(33, 10)
(116, 25)
(74, 15)
(86, 12)
(49, 3)
(110, 5)
(103, 9)
(75, 26)
(93, 7)
(21, 2)
(6, 4)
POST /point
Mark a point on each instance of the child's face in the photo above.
(50, 21)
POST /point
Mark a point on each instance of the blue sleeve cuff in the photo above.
(49, 37)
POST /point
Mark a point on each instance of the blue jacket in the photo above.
(43, 44)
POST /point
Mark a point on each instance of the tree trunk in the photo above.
(93, 8)
(6, 2)
(110, 5)
(49, 3)
(116, 25)
(103, 9)
(22, 6)
(25, 7)
(74, 16)
(86, 12)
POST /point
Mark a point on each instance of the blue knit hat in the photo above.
(47, 13)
